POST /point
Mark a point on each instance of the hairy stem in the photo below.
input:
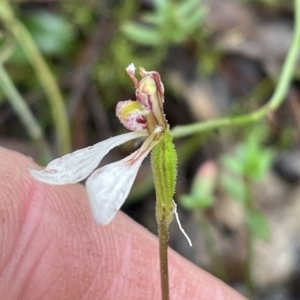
(163, 162)
(163, 234)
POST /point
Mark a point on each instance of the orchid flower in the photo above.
(109, 186)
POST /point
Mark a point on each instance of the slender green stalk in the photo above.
(44, 74)
(163, 233)
(275, 101)
(24, 113)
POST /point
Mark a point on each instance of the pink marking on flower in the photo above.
(133, 119)
(141, 120)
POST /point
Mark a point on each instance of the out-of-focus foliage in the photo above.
(250, 162)
(147, 42)
(81, 14)
(202, 190)
(272, 3)
(51, 32)
(251, 159)
(258, 224)
(169, 23)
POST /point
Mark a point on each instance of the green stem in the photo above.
(275, 101)
(44, 74)
(21, 108)
(163, 258)
(163, 163)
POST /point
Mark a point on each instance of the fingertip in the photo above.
(49, 237)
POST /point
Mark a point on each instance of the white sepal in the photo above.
(109, 186)
(76, 166)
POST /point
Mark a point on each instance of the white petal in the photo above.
(108, 187)
(76, 166)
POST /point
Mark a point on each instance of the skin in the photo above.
(52, 249)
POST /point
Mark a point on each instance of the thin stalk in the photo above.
(44, 74)
(274, 102)
(23, 111)
(163, 234)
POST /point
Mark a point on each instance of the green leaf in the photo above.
(185, 8)
(203, 188)
(258, 225)
(191, 202)
(52, 33)
(263, 164)
(257, 160)
(241, 154)
(194, 21)
(162, 5)
(234, 186)
(142, 34)
(188, 202)
(233, 163)
(190, 15)
(153, 19)
(251, 159)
